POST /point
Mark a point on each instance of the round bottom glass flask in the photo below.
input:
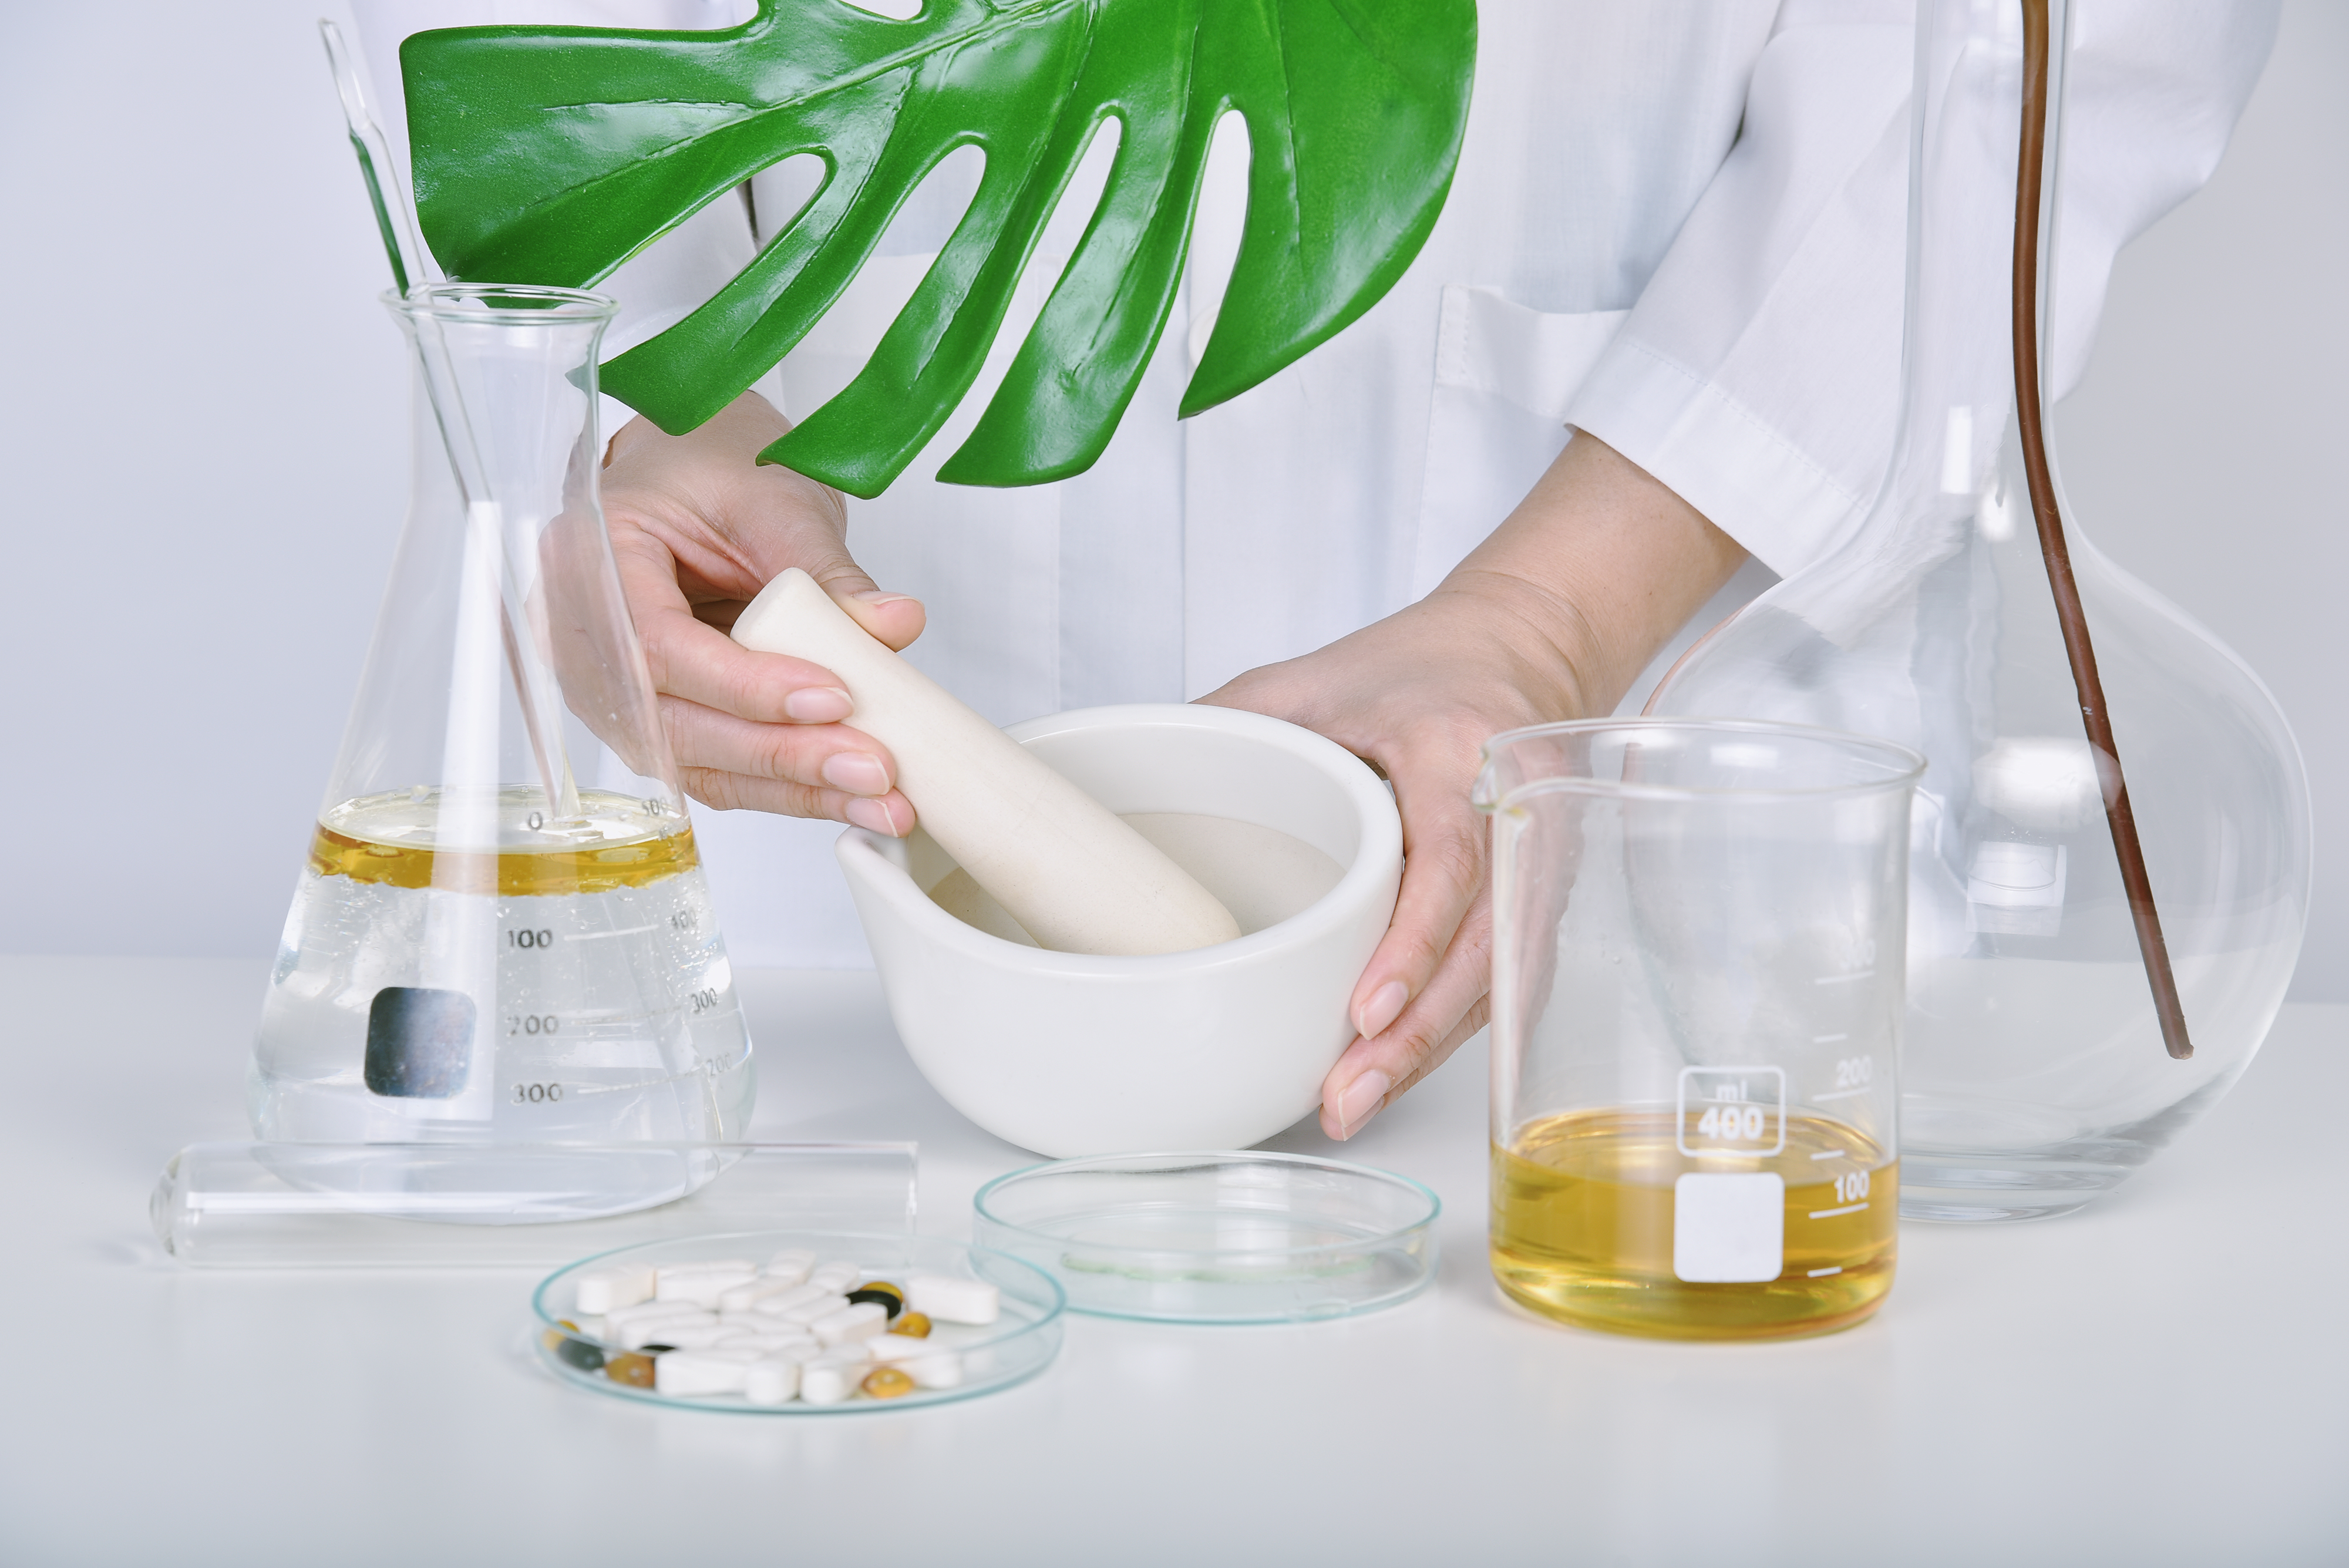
(1696, 1015)
(2037, 1070)
(504, 933)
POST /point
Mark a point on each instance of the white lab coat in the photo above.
(1679, 226)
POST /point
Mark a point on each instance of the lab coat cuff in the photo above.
(1718, 455)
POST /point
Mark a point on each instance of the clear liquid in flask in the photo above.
(466, 968)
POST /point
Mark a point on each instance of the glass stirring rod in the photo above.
(524, 635)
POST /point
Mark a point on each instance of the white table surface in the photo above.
(2161, 1378)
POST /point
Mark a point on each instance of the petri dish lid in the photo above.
(1225, 1237)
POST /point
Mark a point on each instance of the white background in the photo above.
(203, 438)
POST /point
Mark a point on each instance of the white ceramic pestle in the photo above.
(1075, 877)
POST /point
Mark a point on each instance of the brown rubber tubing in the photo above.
(2058, 555)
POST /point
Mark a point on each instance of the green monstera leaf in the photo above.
(551, 154)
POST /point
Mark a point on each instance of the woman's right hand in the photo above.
(697, 528)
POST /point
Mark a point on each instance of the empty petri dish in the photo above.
(1244, 1237)
(957, 1359)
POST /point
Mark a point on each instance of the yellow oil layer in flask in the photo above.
(621, 850)
(1583, 1214)
(601, 1001)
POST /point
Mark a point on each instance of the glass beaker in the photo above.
(504, 933)
(1696, 1021)
(2036, 1071)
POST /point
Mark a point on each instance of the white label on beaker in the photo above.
(1730, 1228)
(1732, 1111)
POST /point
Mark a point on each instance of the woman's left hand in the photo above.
(1416, 695)
(1550, 619)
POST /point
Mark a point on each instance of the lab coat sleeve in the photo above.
(660, 285)
(1758, 375)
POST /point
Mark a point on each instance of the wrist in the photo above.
(747, 424)
(1540, 644)
(1597, 568)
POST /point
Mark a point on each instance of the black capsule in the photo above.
(658, 1349)
(573, 1352)
(579, 1354)
(891, 1302)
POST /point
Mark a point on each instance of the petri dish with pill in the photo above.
(1216, 1238)
(796, 1323)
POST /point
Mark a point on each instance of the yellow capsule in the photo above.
(636, 1371)
(913, 1325)
(888, 1383)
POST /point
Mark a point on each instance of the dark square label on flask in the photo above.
(420, 1042)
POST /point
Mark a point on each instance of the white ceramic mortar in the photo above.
(1070, 1054)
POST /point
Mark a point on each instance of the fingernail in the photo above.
(1360, 1101)
(873, 816)
(1383, 1008)
(858, 773)
(878, 596)
(818, 705)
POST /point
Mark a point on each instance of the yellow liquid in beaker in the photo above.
(1582, 1229)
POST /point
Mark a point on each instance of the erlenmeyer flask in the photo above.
(2034, 1070)
(504, 931)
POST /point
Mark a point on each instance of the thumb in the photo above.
(891, 619)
